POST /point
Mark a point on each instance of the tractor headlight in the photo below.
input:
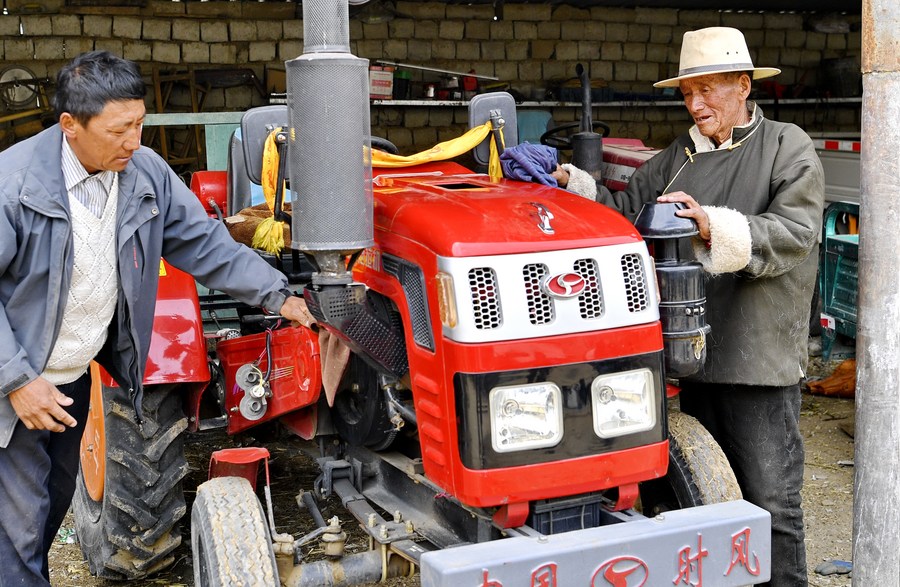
(623, 403)
(525, 416)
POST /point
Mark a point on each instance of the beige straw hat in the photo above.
(714, 50)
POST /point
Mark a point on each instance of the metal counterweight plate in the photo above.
(723, 544)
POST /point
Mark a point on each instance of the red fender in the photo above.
(177, 345)
(177, 355)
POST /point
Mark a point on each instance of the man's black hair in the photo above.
(90, 81)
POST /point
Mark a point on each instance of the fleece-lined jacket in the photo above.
(764, 198)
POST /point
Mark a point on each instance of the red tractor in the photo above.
(503, 417)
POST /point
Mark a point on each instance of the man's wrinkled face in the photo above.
(107, 141)
(717, 103)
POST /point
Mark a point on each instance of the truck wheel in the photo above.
(128, 495)
(698, 474)
(360, 411)
(230, 540)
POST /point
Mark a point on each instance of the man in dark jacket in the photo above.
(86, 213)
(755, 187)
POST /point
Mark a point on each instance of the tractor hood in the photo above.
(456, 213)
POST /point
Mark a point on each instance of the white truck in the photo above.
(840, 160)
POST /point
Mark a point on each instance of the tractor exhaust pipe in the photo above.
(352, 569)
(587, 145)
(332, 201)
(329, 144)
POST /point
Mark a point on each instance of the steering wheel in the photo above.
(561, 138)
(385, 145)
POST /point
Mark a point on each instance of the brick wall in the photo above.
(533, 46)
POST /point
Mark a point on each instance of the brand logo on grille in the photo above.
(565, 285)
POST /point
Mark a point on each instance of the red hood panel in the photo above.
(463, 215)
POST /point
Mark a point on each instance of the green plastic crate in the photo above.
(838, 273)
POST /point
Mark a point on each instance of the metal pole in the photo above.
(876, 487)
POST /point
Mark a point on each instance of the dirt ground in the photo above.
(826, 423)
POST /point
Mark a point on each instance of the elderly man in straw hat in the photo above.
(755, 188)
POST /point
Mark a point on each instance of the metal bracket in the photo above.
(331, 469)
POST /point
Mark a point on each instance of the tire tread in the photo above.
(134, 530)
(228, 522)
(709, 469)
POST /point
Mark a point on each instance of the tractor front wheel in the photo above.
(230, 540)
(699, 472)
(128, 495)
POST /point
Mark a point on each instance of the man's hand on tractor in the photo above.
(561, 176)
(692, 210)
(40, 406)
(295, 310)
(334, 354)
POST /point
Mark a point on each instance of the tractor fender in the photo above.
(177, 345)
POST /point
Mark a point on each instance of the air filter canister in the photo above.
(329, 152)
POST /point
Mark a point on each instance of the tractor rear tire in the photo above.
(132, 530)
(230, 540)
(699, 472)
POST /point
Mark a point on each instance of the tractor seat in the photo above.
(244, 179)
(245, 155)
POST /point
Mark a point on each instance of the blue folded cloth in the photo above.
(527, 162)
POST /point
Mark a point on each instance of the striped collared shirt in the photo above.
(91, 190)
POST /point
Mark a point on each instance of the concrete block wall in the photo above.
(533, 46)
(536, 46)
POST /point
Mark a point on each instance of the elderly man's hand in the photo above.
(41, 406)
(693, 210)
(560, 175)
(295, 310)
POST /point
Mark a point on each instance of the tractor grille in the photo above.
(413, 283)
(540, 306)
(508, 297)
(635, 283)
(590, 303)
(485, 298)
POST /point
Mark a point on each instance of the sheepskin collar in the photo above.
(704, 144)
